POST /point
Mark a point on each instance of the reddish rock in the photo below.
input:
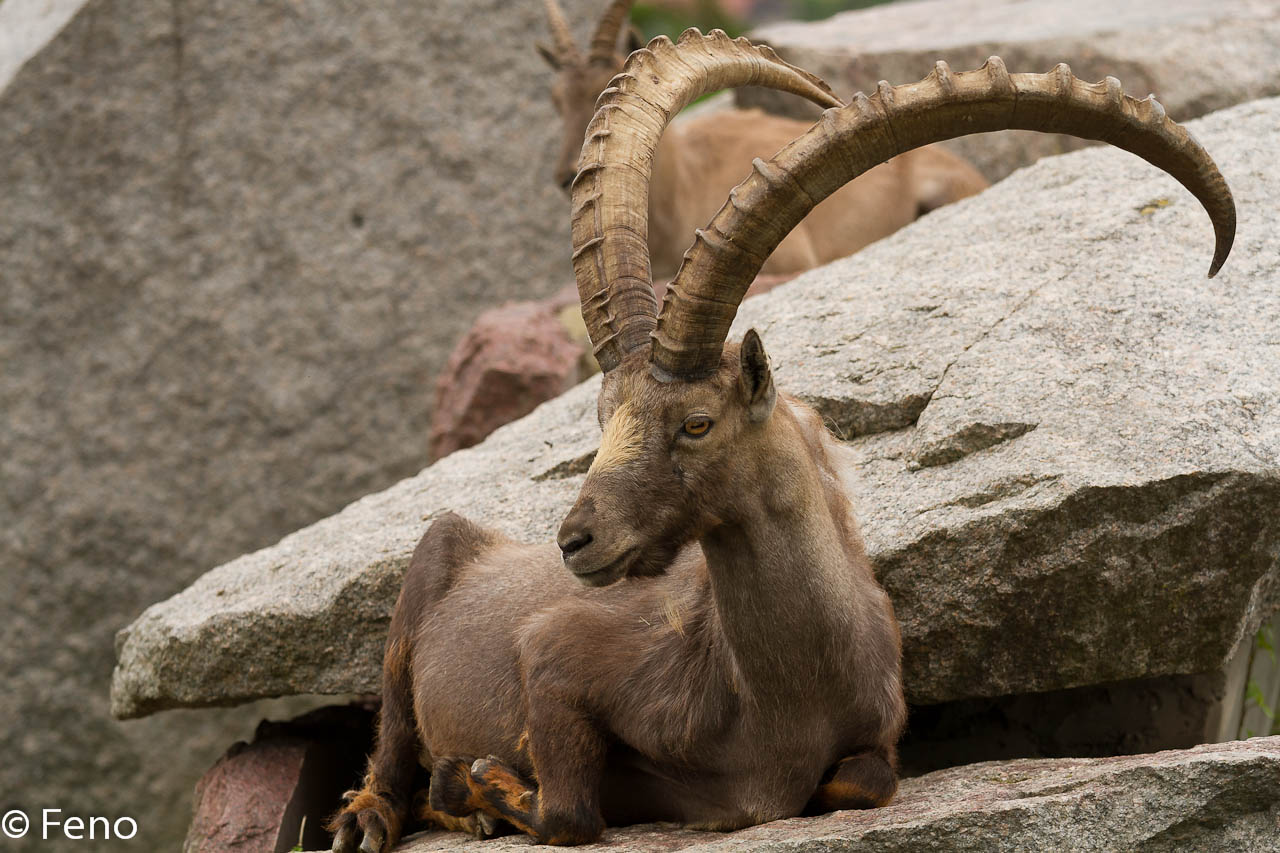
(241, 802)
(254, 799)
(515, 356)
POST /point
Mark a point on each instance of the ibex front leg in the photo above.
(562, 806)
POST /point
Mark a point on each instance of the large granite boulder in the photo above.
(1222, 798)
(1067, 444)
(1193, 55)
(237, 241)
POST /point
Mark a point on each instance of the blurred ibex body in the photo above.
(700, 159)
(718, 651)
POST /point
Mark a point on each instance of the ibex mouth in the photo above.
(612, 572)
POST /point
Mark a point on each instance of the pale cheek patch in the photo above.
(621, 441)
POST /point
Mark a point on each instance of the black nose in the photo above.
(575, 542)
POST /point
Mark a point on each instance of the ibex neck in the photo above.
(784, 578)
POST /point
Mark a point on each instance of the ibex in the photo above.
(699, 160)
(718, 651)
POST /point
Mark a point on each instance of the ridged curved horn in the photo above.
(604, 42)
(610, 195)
(561, 34)
(703, 299)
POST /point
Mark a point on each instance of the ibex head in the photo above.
(673, 460)
(580, 79)
(692, 435)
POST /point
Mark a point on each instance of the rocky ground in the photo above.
(1220, 798)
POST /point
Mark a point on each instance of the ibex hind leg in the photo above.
(863, 781)
(374, 816)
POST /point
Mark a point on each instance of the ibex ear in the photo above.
(756, 380)
(548, 54)
(635, 39)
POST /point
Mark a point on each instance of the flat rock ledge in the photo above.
(1221, 797)
(1066, 443)
(1195, 56)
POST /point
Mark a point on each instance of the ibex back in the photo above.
(706, 641)
(700, 159)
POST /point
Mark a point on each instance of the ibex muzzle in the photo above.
(750, 670)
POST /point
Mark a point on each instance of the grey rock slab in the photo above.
(237, 241)
(1222, 797)
(1064, 443)
(1195, 56)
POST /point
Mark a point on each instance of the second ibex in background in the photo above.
(699, 160)
(706, 641)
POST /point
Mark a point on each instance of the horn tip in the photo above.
(1219, 259)
(1226, 239)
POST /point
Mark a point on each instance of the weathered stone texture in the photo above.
(1132, 533)
(1193, 55)
(237, 241)
(1222, 798)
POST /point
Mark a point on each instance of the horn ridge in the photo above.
(610, 233)
(845, 143)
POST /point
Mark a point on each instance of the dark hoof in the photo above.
(486, 826)
(344, 840)
(362, 828)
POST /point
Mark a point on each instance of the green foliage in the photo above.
(816, 10)
(1266, 642)
(1253, 695)
(655, 20)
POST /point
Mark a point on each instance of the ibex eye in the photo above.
(696, 426)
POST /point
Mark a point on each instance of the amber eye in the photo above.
(697, 425)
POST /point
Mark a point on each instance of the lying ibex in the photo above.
(699, 160)
(748, 668)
